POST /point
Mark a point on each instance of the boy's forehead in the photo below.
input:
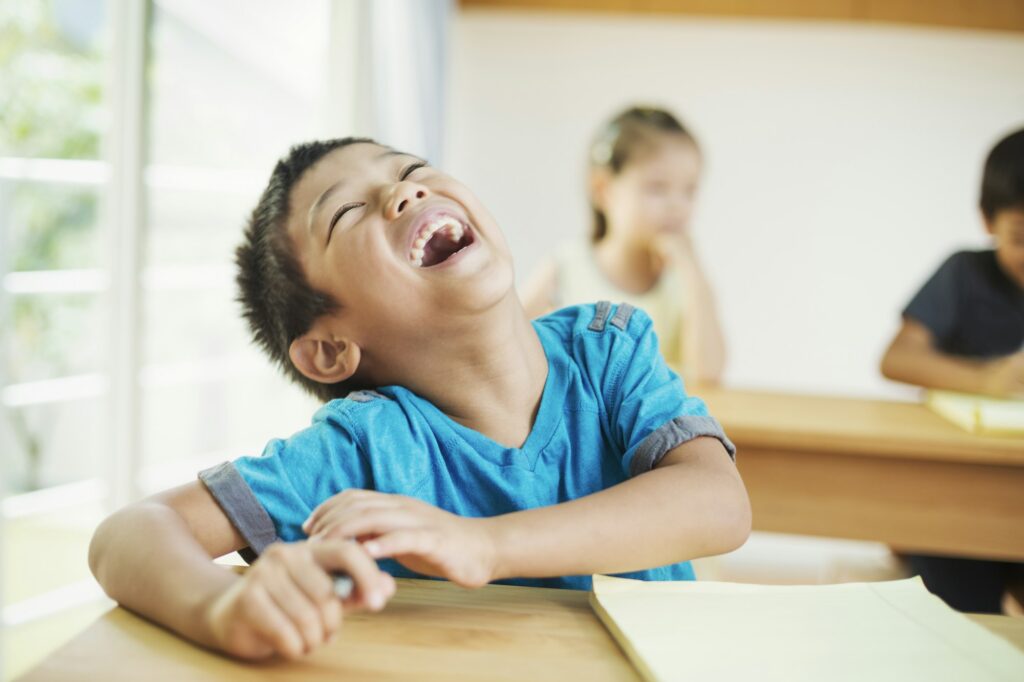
(337, 166)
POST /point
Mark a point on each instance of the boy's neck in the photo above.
(487, 372)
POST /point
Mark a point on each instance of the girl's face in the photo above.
(654, 193)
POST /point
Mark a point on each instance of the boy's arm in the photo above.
(692, 504)
(154, 557)
(912, 358)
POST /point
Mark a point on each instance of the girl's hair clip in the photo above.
(603, 147)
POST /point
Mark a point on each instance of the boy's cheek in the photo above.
(1011, 260)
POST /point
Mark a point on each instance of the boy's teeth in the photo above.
(449, 226)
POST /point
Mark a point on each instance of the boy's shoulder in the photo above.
(976, 273)
(602, 340)
(359, 407)
(967, 262)
(594, 320)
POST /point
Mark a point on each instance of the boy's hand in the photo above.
(1004, 378)
(420, 536)
(285, 603)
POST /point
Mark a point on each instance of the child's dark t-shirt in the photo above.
(971, 307)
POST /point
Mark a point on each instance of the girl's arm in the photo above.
(703, 351)
(912, 358)
(540, 292)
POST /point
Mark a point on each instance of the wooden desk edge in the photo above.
(1005, 627)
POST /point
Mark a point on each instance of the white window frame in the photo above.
(122, 178)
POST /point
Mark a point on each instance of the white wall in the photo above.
(843, 161)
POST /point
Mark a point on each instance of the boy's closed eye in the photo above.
(345, 208)
(342, 210)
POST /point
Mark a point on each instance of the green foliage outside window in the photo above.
(51, 107)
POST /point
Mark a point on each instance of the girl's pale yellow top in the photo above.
(580, 280)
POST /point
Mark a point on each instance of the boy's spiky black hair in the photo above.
(277, 299)
(1002, 184)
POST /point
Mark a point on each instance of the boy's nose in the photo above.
(405, 194)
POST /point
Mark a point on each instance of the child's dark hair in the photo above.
(1002, 184)
(277, 299)
(627, 136)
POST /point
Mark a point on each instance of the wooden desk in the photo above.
(430, 631)
(875, 470)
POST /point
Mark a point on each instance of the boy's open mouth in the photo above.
(439, 240)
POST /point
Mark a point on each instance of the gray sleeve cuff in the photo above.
(672, 434)
(240, 505)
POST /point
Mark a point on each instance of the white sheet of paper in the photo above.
(978, 413)
(707, 631)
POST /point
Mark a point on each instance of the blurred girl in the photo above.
(643, 179)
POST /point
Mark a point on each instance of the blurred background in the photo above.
(843, 144)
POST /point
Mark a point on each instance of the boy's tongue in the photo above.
(441, 246)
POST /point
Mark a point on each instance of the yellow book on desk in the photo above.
(708, 632)
(978, 414)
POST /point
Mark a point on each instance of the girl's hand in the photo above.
(420, 536)
(285, 603)
(673, 248)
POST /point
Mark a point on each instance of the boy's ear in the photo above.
(989, 223)
(597, 182)
(323, 356)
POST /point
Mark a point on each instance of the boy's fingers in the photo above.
(342, 499)
(307, 574)
(330, 610)
(369, 523)
(350, 557)
(318, 588)
(342, 511)
(273, 626)
(407, 541)
(385, 584)
(302, 612)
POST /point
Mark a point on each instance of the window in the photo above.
(227, 88)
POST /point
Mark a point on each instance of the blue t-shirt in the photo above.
(611, 409)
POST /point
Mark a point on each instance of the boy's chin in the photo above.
(1013, 271)
(478, 292)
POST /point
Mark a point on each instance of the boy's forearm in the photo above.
(146, 559)
(930, 368)
(676, 512)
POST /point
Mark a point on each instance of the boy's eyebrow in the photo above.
(321, 199)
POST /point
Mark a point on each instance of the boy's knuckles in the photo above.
(278, 551)
(350, 495)
(310, 627)
(252, 604)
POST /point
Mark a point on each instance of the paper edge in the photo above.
(621, 640)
